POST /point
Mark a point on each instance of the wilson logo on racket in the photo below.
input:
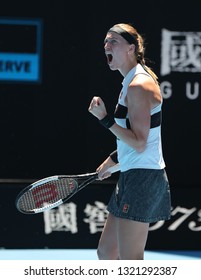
(41, 194)
(52, 191)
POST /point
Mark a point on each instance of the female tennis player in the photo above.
(142, 195)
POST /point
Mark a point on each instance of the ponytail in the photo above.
(138, 41)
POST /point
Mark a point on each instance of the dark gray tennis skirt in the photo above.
(142, 195)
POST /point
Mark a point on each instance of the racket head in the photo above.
(45, 194)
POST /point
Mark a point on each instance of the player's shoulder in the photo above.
(142, 82)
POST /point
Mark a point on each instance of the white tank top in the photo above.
(128, 157)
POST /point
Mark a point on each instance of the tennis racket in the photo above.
(52, 191)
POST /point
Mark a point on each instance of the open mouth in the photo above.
(109, 58)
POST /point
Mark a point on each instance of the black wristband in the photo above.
(107, 121)
(113, 156)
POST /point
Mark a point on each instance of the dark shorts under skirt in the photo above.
(141, 195)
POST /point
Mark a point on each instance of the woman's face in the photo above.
(116, 50)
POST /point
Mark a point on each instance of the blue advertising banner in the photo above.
(20, 52)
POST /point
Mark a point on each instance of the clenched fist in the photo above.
(97, 108)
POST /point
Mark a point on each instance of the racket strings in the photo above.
(46, 194)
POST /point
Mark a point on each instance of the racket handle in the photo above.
(114, 168)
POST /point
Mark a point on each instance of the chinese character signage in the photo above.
(78, 224)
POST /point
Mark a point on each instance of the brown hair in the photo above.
(139, 47)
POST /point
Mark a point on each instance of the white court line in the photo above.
(83, 254)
